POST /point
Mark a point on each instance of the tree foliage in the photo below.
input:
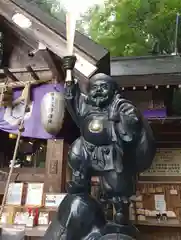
(131, 27)
(126, 27)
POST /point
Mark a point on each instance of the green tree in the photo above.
(131, 27)
(126, 27)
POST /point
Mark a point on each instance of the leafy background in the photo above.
(126, 27)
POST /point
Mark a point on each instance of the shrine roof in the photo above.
(147, 70)
(145, 65)
(51, 33)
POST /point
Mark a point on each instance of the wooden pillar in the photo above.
(55, 167)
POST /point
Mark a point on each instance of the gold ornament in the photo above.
(12, 136)
(95, 126)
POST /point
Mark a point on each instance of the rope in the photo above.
(20, 130)
(1, 96)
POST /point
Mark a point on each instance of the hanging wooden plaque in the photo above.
(167, 164)
(15, 192)
(34, 195)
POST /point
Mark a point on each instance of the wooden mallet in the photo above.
(70, 34)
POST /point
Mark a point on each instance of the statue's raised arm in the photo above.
(73, 96)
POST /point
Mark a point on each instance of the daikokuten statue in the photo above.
(116, 143)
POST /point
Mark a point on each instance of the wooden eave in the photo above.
(146, 71)
(25, 37)
(18, 77)
(52, 33)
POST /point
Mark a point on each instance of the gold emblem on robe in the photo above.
(95, 126)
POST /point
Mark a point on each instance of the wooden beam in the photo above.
(23, 76)
(55, 167)
(10, 75)
(33, 73)
(54, 63)
(149, 80)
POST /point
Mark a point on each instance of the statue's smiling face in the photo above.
(100, 92)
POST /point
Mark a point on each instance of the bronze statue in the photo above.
(116, 143)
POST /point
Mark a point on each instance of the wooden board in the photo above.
(166, 165)
(34, 196)
(15, 192)
(156, 232)
(171, 192)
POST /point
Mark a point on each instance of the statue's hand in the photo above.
(69, 62)
(130, 119)
(127, 108)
